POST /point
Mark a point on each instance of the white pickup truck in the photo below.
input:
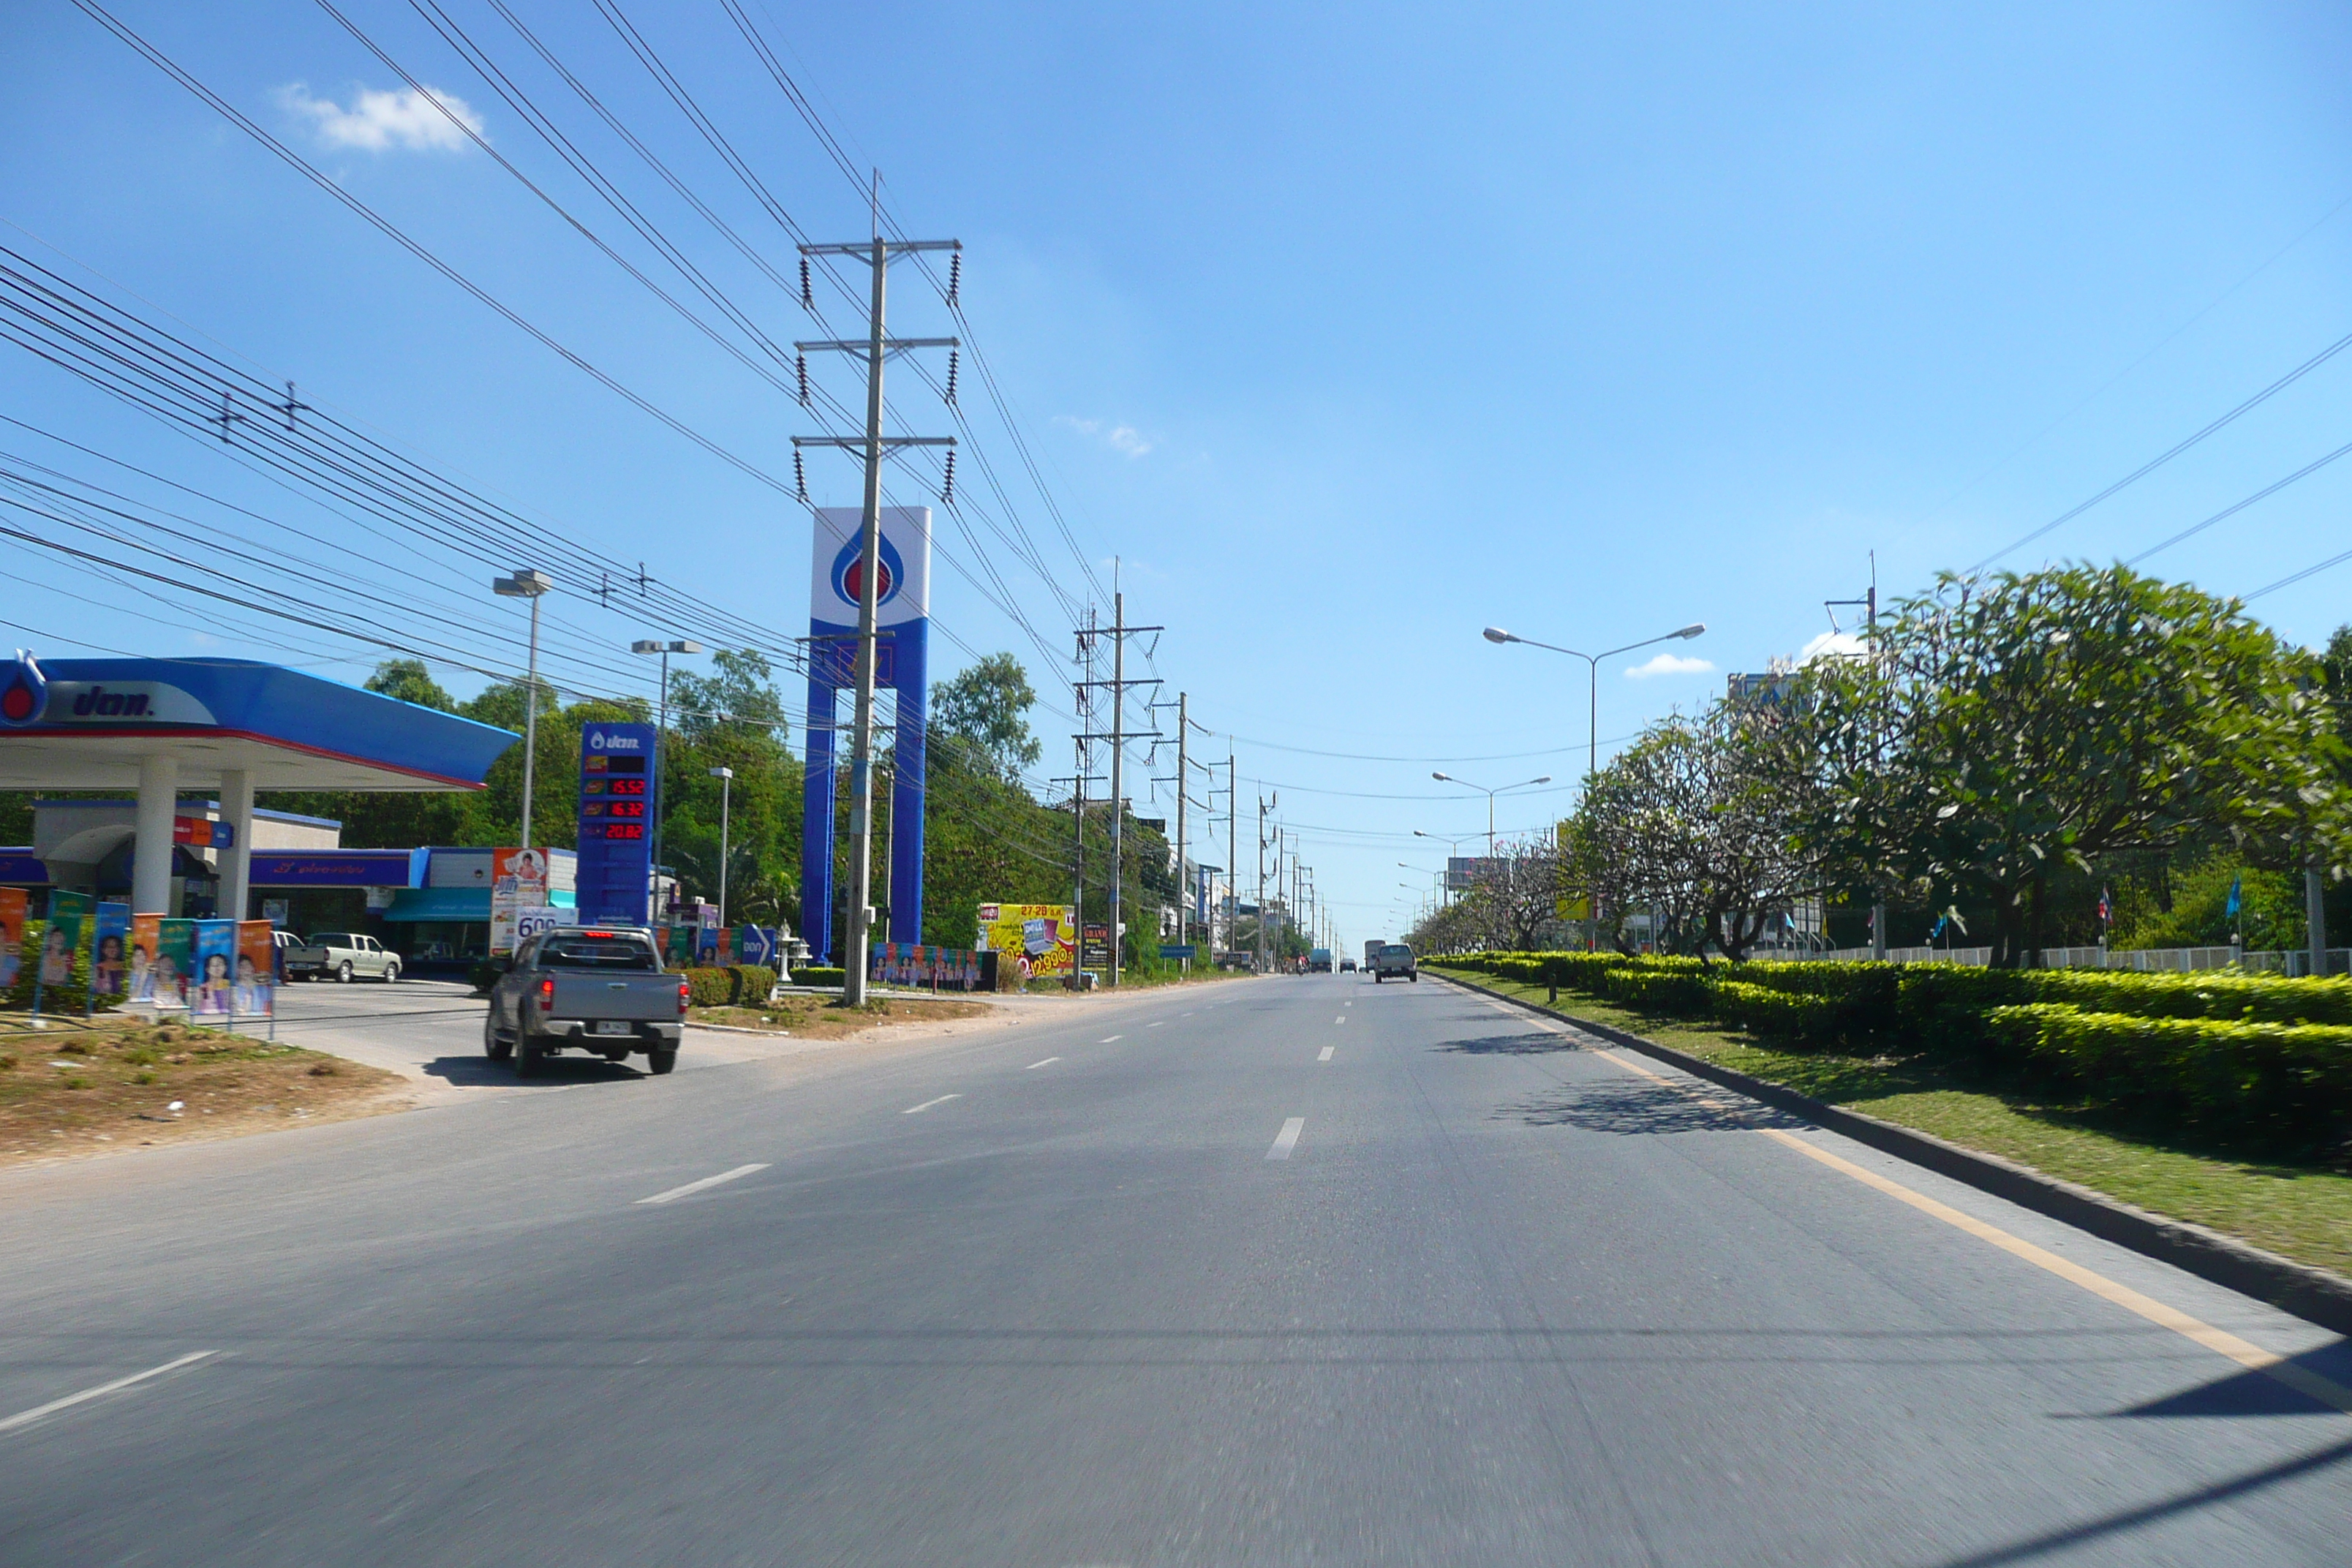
(345, 954)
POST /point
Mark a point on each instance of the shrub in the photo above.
(752, 984)
(819, 976)
(1665, 991)
(1790, 1017)
(2291, 1081)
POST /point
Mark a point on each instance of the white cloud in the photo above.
(381, 122)
(1122, 438)
(1669, 664)
(1833, 645)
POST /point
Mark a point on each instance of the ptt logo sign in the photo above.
(849, 572)
(24, 692)
(598, 741)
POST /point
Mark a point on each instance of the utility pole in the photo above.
(1118, 632)
(876, 445)
(1261, 883)
(524, 583)
(1869, 602)
(1183, 788)
(1233, 862)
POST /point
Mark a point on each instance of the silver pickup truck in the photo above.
(1395, 962)
(348, 955)
(591, 988)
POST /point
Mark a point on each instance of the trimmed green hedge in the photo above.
(737, 985)
(820, 976)
(2249, 1052)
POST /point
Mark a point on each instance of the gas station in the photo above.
(221, 730)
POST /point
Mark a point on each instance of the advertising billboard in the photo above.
(110, 971)
(1044, 936)
(12, 934)
(518, 882)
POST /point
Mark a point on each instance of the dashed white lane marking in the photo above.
(1183, 1015)
(1107, 1040)
(1155, 1023)
(1049, 1062)
(1326, 1055)
(26, 1418)
(929, 1103)
(1287, 1138)
(707, 1182)
(1340, 1020)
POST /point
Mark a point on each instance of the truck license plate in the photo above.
(612, 1026)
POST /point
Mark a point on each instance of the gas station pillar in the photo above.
(151, 863)
(237, 860)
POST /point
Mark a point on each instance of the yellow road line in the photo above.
(2219, 1341)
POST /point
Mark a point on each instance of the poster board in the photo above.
(518, 881)
(211, 991)
(1042, 936)
(13, 906)
(175, 962)
(255, 992)
(110, 952)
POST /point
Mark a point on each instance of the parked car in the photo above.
(593, 988)
(346, 956)
(1346, 966)
(1395, 962)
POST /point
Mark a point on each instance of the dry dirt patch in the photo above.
(70, 1090)
(825, 1019)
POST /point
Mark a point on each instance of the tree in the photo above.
(1998, 731)
(410, 681)
(983, 713)
(737, 697)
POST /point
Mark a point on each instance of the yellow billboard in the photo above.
(1043, 935)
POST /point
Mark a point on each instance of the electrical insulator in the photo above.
(808, 302)
(951, 378)
(955, 277)
(800, 363)
(947, 491)
(799, 476)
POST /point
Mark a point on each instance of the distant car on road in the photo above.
(345, 954)
(1319, 962)
(1395, 962)
(1346, 966)
(591, 988)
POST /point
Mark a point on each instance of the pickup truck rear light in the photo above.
(684, 991)
(547, 994)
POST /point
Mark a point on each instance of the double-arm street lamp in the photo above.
(1490, 794)
(1592, 671)
(526, 582)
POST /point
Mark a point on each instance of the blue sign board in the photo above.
(1176, 950)
(619, 799)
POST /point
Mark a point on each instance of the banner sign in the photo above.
(619, 803)
(1178, 950)
(680, 952)
(68, 913)
(216, 973)
(759, 945)
(518, 881)
(13, 906)
(1043, 935)
(110, 968)
(538, 921)
(255, 996)
(932, 968)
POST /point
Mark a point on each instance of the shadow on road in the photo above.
(1645, 1107)
(1534, 1043)
(480, 1072)
(2256, 1393)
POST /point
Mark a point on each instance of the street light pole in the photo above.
(1491, 793)
(661, 728)
(726, 777)
(527, 583)
(1592, 674)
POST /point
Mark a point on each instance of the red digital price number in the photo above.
(625, 830)
(626, 809)
(628, 786)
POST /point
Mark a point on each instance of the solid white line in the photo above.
(699, 1186)
(1049, 1062)
(1109, 1038)
(26, 1418)
(1287, 1138)
(1327, 1053)
(929, 1103)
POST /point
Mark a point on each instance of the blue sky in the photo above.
(1347, 330)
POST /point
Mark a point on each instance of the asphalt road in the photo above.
(1277, 1271)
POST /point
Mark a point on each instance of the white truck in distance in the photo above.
(346, 954)
(1394, 960)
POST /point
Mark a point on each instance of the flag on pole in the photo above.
(2237, 896)
(2106, 907)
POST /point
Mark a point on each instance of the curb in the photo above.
(2315, 1295)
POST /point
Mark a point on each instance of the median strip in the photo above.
(703, 1185)
(26, 1418)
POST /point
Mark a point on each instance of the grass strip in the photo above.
(2302, 1210)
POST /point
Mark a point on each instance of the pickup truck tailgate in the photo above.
(638, 998)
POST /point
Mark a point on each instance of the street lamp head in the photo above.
(1693, 629)
(722, 773)
(1442, 778)
(1496, 634)
(642, 645)
(523, 583)
(645, 644)
(1546, 779)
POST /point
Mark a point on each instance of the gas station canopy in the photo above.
(100, 719)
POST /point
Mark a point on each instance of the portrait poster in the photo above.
(212, 992)
(109, 959)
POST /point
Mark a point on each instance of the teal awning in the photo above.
(453, 904)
